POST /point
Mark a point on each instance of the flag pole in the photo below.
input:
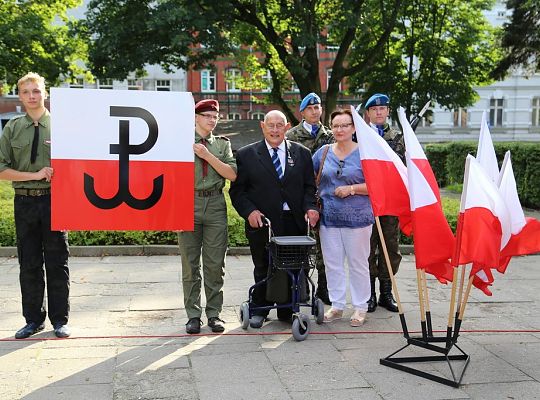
(460, 291)
(392, 278)
(462, 308)
(428, 310)
(421, 303)
(451, 310)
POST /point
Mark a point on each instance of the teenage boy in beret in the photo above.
(214, 162)
(313, 134)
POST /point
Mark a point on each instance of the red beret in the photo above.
(206, 105)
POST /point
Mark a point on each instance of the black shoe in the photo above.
(372, 303)
(28, 330)
(386, 299)
(257, 321)
(61, 331)
(322, 293)
(216, 324)
(193, 326)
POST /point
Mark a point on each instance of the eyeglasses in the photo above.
(210, 117)
(341, 126)
(339, 172)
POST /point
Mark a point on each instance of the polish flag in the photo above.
(123, 160)
(525, 236)
(485, 154)
(385, 174)
(483, 214)
(433, 238)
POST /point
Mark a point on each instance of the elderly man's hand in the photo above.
(312, 216)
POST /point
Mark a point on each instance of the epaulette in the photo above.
(223, 137)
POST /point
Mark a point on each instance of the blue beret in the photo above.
(310, 99)
(377, 99)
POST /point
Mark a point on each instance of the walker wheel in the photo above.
(244, 315)
(318, 311)
(300, 327)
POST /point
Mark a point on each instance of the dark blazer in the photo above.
(257, 186)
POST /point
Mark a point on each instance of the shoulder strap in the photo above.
(325, 152)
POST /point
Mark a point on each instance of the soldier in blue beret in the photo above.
(313, 134)
(378, 109)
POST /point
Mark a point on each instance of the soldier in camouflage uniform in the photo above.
(313, 134)
(377, 108)
(214, 162)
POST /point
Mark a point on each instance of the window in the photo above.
(294, 88)
(460, 118)
(234, 116)
(208, 81)
(134, 84)
(13, 91)
(536, 111)
(495, 112)
(163, 85)
(267, 78)
(328, 75)
(257, 116)
(77, 83)
(105, 83)
(232, 77)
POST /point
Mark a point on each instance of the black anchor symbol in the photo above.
(124, 149)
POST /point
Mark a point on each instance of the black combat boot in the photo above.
(372, 302)
(386, 299)
(322, 290)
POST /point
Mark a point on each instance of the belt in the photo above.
(32, 192)
(207, 193)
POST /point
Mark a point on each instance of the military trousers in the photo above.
(208, 242)
(36, 245)
(377, 262)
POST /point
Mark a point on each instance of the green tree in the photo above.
(35, 36)
(439, 51)
(289, 34)
(520, 38)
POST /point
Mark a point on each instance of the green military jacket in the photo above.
(299, 134)
(396, 141)
(16, 146)
(220, 147)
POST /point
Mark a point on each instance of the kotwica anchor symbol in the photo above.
(124, 149)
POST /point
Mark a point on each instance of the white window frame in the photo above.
(234, 116)
(163, 85)
(134, 84)
(230, 83)
(208, 81)
(535, 111)
(105, 83)
(269, 83)
(461, 117)
(496, 109)
(257, 115)
(78, 83)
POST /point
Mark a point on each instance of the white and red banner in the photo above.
(385, 174)
(433, 239)
(123, 160)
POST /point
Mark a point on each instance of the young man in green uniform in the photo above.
(313, 134)
(214, 162)
(25, 159)
(378, 110)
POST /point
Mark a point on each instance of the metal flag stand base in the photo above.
(425, 342)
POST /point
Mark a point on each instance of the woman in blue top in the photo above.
(346, 220)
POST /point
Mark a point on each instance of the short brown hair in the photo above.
(341, 111)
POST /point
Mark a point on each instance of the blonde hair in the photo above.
(32, 77)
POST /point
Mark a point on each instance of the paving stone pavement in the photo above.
(128, 341)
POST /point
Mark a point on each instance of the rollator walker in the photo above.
(294, 254)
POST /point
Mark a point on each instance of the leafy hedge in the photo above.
(448, 163)
(104, 238)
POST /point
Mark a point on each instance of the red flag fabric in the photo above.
(525, 238)
(433, 238)
(483, 214)
(482, 280)
(385, 174)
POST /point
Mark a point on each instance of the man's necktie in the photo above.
(33, 154)
(204, 162)
(314, 130)
(380, 129)
(277, 163)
